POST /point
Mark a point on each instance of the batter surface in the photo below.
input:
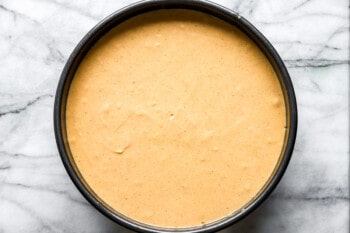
(175, 118)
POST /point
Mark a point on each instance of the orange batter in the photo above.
(175, 118)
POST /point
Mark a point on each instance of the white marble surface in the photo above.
(36, 38)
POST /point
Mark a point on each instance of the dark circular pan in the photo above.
(145, 6)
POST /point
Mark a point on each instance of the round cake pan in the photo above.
(145, 6)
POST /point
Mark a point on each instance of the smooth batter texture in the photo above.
(175, 118)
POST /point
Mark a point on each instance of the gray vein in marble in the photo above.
(300, 17)
(301, 5)
(314, 194)
(5, 166)
(320, 46)
(6, 153)
(44, 224)
(45, 189)
(13, 109)
(55, 54)
(17, 14)
(246, 7)
(314, 63)
(68, 6)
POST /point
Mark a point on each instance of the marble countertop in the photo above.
(36, 38)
